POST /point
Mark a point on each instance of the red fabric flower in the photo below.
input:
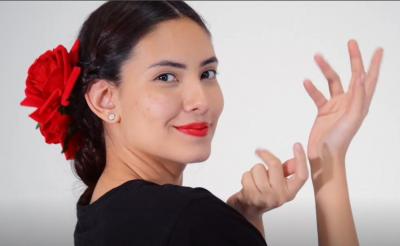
(51, 79)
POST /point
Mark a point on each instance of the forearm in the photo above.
(333, 209)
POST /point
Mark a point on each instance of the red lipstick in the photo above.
(198, 129)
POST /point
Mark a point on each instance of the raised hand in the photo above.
(337, 121)
(340, 117)
(264, 189)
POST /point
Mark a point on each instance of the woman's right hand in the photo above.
(265, 189)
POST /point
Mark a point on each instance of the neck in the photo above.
(124, 165)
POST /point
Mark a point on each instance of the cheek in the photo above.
(217, 100)
(147, 118)
(157, 109)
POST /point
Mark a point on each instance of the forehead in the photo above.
(179, 39)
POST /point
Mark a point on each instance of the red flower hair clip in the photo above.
(51, 79)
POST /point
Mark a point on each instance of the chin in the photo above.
(193, 157)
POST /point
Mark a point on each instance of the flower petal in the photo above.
(70, 86)
(32, 101)
(74, 52)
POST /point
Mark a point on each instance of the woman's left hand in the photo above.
(264, 189)
(340, 117)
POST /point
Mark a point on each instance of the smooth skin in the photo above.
(337, 121)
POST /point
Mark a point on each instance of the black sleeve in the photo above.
(209, 221)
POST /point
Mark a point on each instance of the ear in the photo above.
(102, 98)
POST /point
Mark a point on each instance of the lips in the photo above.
(199, 129)
(194, 125)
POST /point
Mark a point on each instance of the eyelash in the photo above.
(157, 78)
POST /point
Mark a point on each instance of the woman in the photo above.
(137, 98)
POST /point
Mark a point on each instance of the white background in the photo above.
(265, 50)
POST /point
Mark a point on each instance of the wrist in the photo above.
(325, 159)
(327, 171)
(253, 216)
(327, 153)
(257, 222)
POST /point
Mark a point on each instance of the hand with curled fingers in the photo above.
(265, 189)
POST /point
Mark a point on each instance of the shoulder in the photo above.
(134, 212)
(207, 220)
(146, 196)
(136, 198)
(148, 208)
(178, 215)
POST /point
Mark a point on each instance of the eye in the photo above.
(165, 77)
(213, 72)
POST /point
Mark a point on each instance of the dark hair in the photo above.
(107, 38)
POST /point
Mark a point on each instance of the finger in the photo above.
(289, 167)
(357, 67)
(301, 174)
(372, 76)
(358, 107)
(335, 86)
(275, 171)
(249, 187)
(318, 98)
(261, 177)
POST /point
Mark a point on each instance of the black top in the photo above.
(140, 212)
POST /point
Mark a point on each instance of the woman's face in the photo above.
(156, 98)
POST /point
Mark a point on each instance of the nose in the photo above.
(195, 98)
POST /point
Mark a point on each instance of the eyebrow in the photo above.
(181, 65)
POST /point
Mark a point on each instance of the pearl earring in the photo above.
(111, 116)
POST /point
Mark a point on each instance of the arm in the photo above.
(334, 215)
(338, 120)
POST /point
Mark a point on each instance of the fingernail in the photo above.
(318, 55)
(259, 150)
